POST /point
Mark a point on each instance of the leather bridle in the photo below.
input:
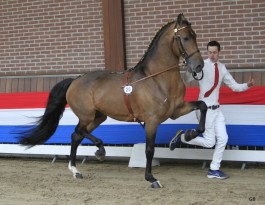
(182, 50)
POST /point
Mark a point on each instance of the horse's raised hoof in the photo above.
(156, 185)
(78, 175)
(100, 156)
(190, 134)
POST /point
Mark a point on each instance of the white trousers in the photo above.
(215, 134)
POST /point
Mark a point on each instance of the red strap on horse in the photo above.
(126, 96)
(127, 100)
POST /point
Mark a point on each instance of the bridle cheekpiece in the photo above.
(182, 50)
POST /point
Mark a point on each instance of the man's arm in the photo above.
(237, 87)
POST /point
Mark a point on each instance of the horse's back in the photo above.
(98, 91)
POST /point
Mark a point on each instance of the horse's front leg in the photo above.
(76, 140)
(197, 105)
(149, 151)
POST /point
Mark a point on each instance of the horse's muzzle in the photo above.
(199, 67)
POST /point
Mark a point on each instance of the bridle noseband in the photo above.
(182, 50)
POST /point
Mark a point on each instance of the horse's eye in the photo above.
(186, 38)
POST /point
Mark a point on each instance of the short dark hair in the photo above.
(214, 43)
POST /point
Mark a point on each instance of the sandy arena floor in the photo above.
(38, 182)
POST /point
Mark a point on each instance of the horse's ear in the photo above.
(180, 18)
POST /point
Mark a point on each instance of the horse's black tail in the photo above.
(48, 123)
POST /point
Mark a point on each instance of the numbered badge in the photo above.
(127, 89)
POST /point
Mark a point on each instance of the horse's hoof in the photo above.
(156, 185)
(190, 134)
(78, 176)
(100, 156)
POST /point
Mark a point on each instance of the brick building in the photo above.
(44, 41)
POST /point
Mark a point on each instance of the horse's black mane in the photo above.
(151, 45)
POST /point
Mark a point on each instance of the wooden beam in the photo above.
(114, 39)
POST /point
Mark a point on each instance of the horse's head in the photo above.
(187, 45)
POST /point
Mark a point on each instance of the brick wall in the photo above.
(66, 36)
(50, 36)
(239, 25)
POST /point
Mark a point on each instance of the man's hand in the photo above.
(251, 82)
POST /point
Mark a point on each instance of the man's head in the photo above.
(213, 48)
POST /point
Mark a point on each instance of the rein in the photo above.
(150, 76)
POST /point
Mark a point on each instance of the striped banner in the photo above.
(244, 112)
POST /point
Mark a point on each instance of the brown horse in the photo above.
(151, 92)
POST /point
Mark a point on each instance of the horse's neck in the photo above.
(163, 60)
(166, 76)
(163, 57)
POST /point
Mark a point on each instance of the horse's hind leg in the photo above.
(100, 118)
(77, 137)
(100, 153)
(75, 142)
